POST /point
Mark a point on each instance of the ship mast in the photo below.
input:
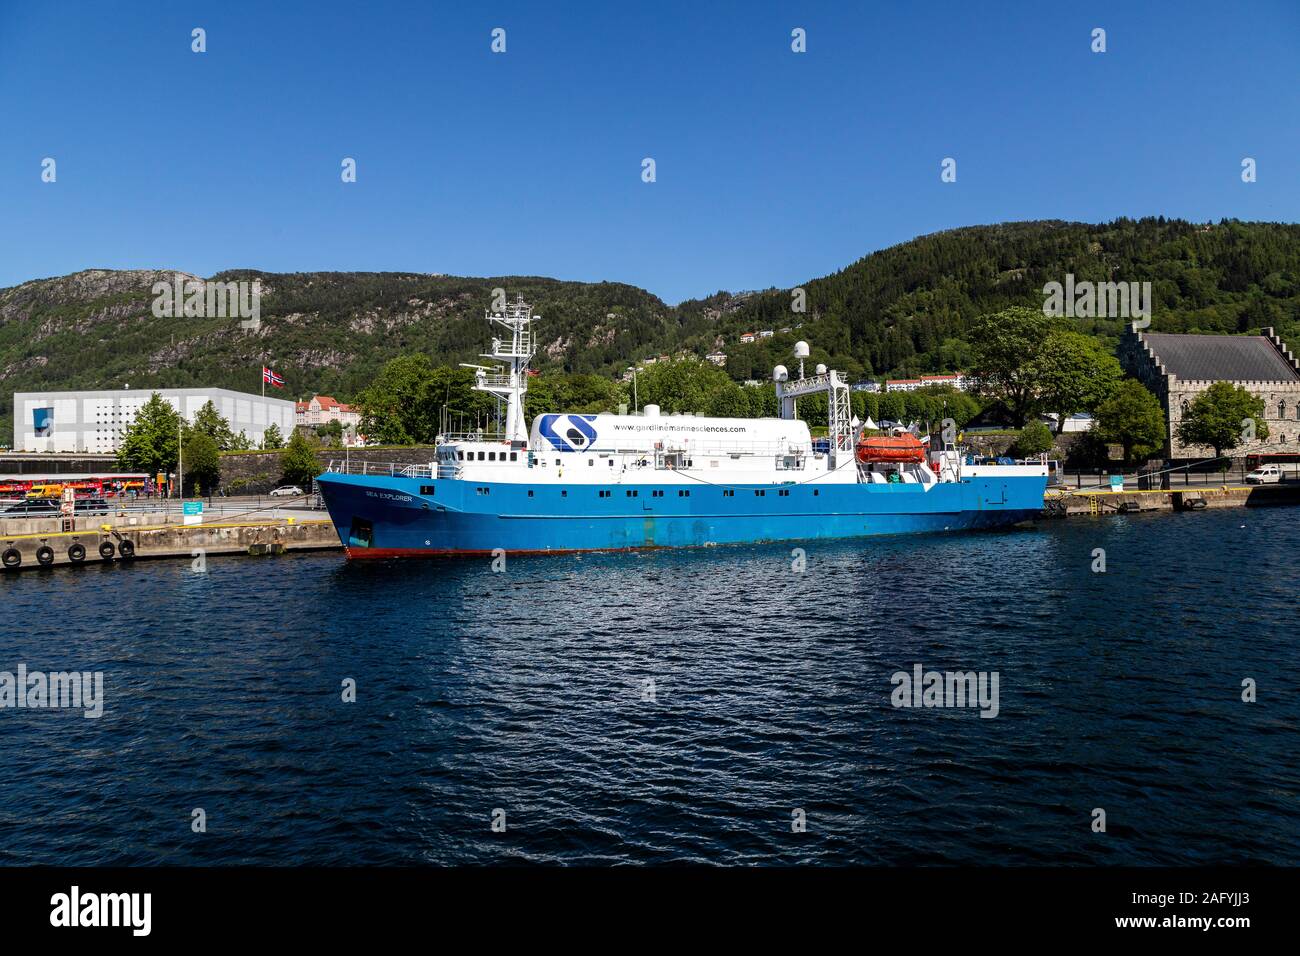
(514, 352)
(838, 408)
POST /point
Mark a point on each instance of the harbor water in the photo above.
(726, 705)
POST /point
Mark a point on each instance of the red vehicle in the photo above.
(18, 487)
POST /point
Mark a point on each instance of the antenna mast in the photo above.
(510, 379)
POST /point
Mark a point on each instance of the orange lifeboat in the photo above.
(897, 449)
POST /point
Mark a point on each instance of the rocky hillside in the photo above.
(325, 332)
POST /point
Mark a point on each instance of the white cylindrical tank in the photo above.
(650, 411)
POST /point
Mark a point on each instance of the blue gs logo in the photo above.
(568, 432)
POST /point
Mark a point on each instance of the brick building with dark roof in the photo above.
(1177, 368)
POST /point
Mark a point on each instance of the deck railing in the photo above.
(391, 469)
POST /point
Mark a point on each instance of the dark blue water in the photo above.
(523, 691)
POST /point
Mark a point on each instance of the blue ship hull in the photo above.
(383, 517)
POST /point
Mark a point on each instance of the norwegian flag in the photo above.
(271, 378)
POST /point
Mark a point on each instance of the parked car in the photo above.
(92, 506)
(287, 491)
(1265, 475)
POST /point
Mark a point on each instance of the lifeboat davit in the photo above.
(896, 449)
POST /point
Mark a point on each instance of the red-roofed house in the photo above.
(323, 409)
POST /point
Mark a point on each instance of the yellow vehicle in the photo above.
(45, 491)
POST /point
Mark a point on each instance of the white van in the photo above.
(1265, 475)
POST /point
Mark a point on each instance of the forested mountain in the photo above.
(902, 310)
(907, 309)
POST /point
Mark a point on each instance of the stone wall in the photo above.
(252, 473)
(1281, 413)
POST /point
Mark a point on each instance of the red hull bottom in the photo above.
(380, 554)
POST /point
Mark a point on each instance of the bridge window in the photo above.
(492, 456)
(481, 456)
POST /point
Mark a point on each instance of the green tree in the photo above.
(1034, 439)
(298, 462)
(1006, 344)
(202, 462)
(1072, 373)
(680, 386)
(151, 441)
(893, 407)
(406, 403)
(1221, 417)
(761, 399)
(209, 422)
(728, 401)
(271, 438)
(331, 433)
(1131, 417)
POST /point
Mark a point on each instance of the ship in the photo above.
(571, 482)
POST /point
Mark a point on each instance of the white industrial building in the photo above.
(94, 421)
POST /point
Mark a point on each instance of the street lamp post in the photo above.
(180, 457)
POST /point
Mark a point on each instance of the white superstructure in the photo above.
(650, 447)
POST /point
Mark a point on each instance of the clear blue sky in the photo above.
(773, 167)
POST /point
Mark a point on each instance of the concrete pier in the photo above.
(86, 540)
(1071, 503)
